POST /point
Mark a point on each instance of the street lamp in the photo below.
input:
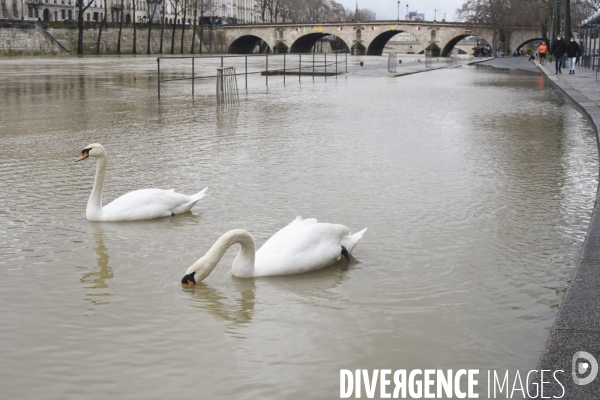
(406, 12)
(434, 13)
(398, 10)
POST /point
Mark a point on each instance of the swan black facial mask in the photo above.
(188, 280)
(85, 153)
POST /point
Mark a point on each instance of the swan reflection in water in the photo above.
(96, 278)
(223, 303)
(236, 302)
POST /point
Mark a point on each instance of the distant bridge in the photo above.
(360, 37)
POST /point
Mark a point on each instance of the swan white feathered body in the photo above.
(302, 246)
(136, 205)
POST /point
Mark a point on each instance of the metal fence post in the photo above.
(267, 74)
(284, 68)
(313, 65)
(300, 69)
(221, 61)
(325, 66)
(193, 76)
(346, 62)
(158, 61)
(336, 65)
(246, 72)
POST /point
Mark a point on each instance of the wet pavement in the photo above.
(574, 342)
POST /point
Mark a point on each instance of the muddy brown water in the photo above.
(476, 209)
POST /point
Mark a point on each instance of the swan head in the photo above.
(189, 279)
(92, 150)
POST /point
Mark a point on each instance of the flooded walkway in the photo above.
(476, 218)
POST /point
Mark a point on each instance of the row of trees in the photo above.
(505, 15)
(300, 10)
(311, 11)
(183, 8)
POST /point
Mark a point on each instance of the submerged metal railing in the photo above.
(227, 90)
(392, 62)
(306, 64)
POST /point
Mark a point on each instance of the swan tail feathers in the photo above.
(350, 241)
(199, 195)
(188, 206)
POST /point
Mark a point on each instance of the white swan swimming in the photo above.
(136, 205)
(302, 246)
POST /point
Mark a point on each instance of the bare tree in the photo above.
(503, 16)
(121, 12)
(162, 24)
(135, 4)
(102, 25)
(175, 5)
(185, 9)
(262, 6)
(82, 8)
(195, 16)
(364, 15)
(152, 5)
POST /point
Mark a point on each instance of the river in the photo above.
(476, 187)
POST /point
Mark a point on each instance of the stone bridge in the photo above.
(360, 38)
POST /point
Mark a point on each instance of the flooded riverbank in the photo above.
(476, 210)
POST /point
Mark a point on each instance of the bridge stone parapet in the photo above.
(359, 38)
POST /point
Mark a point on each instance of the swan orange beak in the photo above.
(83, 156)
(187, 283)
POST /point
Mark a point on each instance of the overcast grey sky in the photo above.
(388, 9)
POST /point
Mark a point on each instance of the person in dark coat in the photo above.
(572, 53)
(558, 50)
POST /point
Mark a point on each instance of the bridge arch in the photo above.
(304, 44)
(376, 46)
(528, 41)
(248, 44)
(451, 43)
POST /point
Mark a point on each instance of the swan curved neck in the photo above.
(243, 265)
(94, 206)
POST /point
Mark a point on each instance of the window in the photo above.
(62, 14)
(15, 11)
(88, 17)
(4, 11)
(37, 13)
(30, 12)
(70, 15)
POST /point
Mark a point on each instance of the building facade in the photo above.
(11, 9)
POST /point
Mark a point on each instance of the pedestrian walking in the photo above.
(573, 54)
(542, 51)
(558, 50)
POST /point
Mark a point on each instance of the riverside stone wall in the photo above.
(18, 38)
(30, 38)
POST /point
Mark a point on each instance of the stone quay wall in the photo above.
(20, 38)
